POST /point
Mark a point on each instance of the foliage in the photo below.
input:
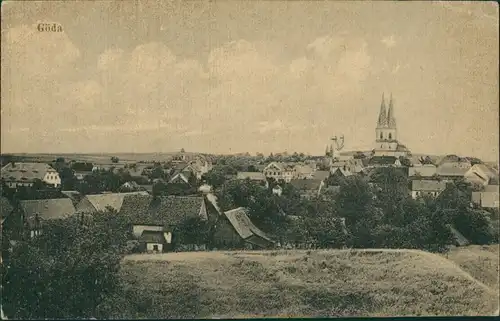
(67, 270)
(101, 181)
(68, 179)
(115, 159)
(193, 230)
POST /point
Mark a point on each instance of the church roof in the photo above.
(391, 120)
(382, 117)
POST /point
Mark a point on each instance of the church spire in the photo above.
(391, 120)
(382, 118)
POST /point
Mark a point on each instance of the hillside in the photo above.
(482, 262)
(297, 283)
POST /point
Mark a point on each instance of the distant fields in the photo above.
(99, 158)
(302, 283)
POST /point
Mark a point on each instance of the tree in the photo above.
(68, 179)
(115, 159)
(157, 172)
(216, 177)
(355, 203)
(193, 230)
(67, 270)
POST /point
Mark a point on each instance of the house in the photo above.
(487, 198)
(25, 174)
(101, 202)
(427, 187)
(253, 176)
(34, 212)
(422, 170)
(482, 175)
(307, 188)
(279, 171)
(452, 170)
(158, 216)
(301, 171)
(352, 165)
(181, 177)
(384, 161)
(114, 167)
(200, 166)
(236, 230)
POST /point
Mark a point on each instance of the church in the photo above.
(386, 140)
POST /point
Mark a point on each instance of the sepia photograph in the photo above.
(211, 159)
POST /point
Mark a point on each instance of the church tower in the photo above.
(386, 130)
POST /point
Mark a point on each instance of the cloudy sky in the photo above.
(224, 77)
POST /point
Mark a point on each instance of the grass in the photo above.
(482, 262)
(297, 284)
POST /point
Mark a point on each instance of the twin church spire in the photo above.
(386, 117)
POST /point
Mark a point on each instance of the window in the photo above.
(390, 136)
(381, 136)
(155, 247)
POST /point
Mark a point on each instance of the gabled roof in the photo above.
(5, 207)
(382, 160)
(303, 169)
(254, 176)
(321, 175)
(306, 184)
(164, 210)
(344, 173)
(181, 175)
(48, 209)
(483, 172)
(100, 202)
(422, 170)
(428, 186)
(243, 225)
(25, 172)
(452, 169)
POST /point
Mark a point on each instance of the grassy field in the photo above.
(298, 284)
(482, 262)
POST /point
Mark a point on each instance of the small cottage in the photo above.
(159, 216)
(235, 230)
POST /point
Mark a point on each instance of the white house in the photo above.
(25, 174)
(427, 187)
(279, 171)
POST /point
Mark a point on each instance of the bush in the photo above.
(66, 271)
